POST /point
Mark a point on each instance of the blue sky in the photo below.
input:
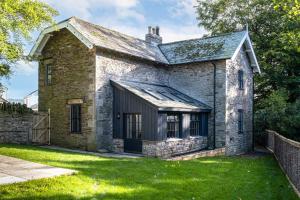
(176, 18)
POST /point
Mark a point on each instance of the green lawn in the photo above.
(105, 178)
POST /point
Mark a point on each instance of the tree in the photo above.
(274, 34)
(18, 18)
(274, 27)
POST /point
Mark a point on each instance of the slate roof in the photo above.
(223, 46)
(186, 51)
(203, 49)
(113, 40)
(163, 97)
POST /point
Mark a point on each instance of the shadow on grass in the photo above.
(148, 178)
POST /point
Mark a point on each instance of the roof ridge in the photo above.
(201, 38)
(108, 29)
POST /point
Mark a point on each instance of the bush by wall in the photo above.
(14, 108)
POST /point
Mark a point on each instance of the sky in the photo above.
(176, 19)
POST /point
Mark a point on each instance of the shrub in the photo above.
(15, 108)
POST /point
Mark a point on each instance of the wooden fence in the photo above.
(287, 153)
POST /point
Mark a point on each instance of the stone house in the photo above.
(110, 91)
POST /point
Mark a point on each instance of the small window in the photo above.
(173, 121)
(240, 121)
(48, 74)
(241, 79)
(199, 124)
(75, 118)
(195, 125)
(133, 126)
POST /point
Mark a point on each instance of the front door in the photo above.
(133, 133)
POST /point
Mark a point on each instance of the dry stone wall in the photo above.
(16, 128)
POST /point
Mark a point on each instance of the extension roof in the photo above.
(164, 98)
(225, 46)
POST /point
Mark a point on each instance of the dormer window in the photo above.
(241, 79)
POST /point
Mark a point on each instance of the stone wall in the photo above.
(287, 153)
(237, 143)
(118, 145)
(15, 128)
(73, 77)
(197, 80)
(80, 73)
(172, 147)
(200, 154)
(111, 66)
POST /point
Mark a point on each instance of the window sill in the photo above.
(196, 137)
(173, 139)
(76, 133)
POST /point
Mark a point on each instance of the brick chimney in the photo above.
(152, 36)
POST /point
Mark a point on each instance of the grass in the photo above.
(239, 177)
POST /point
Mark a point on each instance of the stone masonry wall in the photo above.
(171, 147)
(15, 128)
(196, 80)
(111, 66)
(239, 99)
(73, 77)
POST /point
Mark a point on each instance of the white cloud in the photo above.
(83, 8)
(123, 11)
(25, 68)
(183, 8)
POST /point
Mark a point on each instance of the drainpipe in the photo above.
(252, 110)
(49, 127)
(214, 127)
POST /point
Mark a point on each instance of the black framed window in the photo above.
(241, 79)
(195, 125)
(240, 121)
(75, 118)
(48, 74)
(173, 125)
(199, 124)
(133, 126)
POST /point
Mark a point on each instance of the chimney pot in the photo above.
(153, 30)
(153, 35)
(157, 30)
(149, 29)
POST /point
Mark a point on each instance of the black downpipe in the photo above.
(214, 129)
(252, 110)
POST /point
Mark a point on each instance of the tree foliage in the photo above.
(14, 108)
(18, 18)
(274, 27)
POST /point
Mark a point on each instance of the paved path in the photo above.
(107, 155)
(13, 170)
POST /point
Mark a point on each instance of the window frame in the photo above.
(48, 81)
(76, 119)
(137, 119)
(203, 124)
(194, 126)
(177, 124)
(241, 79)
(240, 121)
